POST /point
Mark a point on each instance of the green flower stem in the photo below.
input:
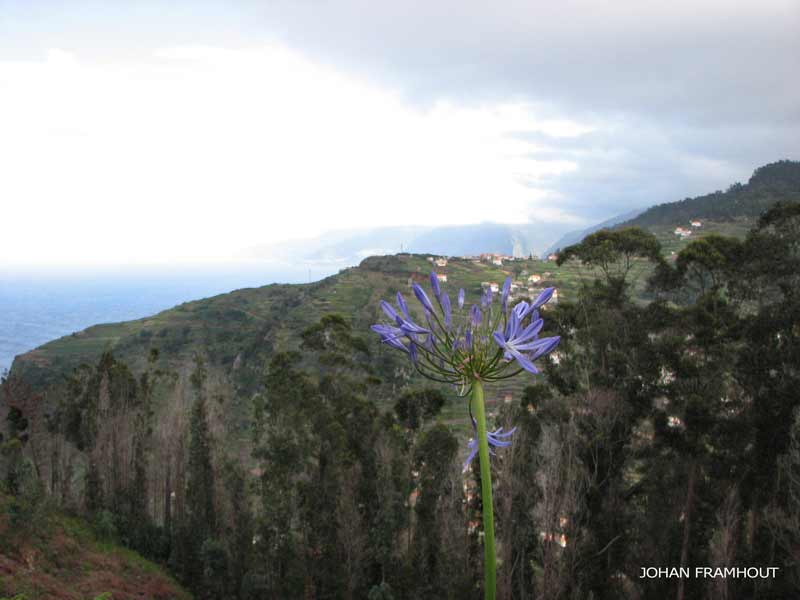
(489, 566)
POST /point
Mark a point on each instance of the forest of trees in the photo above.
(664, 433)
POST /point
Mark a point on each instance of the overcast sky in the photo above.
(167, 131)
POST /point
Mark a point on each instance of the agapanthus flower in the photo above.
(460, 345)
(467, 347)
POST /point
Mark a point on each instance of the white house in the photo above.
(440, 262)
(441, 277)
(697, 223)
(535, 278)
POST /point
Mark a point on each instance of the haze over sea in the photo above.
(39, 305)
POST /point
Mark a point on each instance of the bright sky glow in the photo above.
(164, 131)
(195, 153)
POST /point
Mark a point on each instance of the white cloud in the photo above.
(197, 152)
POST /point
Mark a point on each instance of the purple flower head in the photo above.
(461, 346)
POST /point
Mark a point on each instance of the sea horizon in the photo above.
(39, 304)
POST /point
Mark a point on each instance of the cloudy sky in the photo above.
(169, 131)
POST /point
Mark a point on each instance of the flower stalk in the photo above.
(487, 505)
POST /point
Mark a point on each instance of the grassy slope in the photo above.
(65, 561)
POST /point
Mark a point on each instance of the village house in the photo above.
(697, 224)
(430, 259)
(683, 233)
(535, 278)
(440, 262)
(441, 277)
(673, 421)
(552, 257)
(496, 259)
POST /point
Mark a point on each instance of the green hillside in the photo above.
(238, 331)
(50, 556)
(778, 181)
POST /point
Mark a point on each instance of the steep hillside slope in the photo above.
(62, 559)
(731, 213)
(778, 181)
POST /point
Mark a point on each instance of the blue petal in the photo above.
(544, 297)
(422, 297)
(473, 453)
(475, 315)
(461, 296)
(389, 310)
(529, 332)
(539, 347)
(411, 327)
(498, 337)
(444, 300)
(435, 284)
(523, 361)
(401, 302)
(554, 341)
(521, 309)
(506, 291)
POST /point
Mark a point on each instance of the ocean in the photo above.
(40, 305)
